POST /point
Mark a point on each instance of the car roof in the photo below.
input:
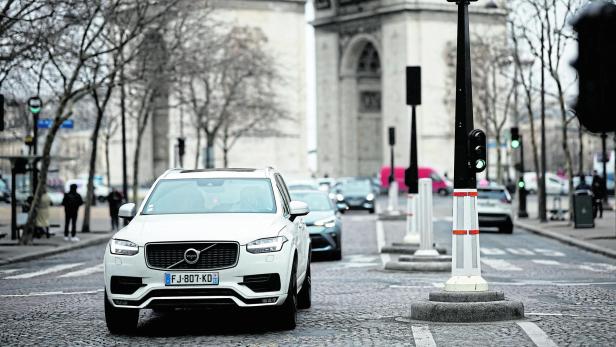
(218, 173)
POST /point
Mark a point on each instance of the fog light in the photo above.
(269, 300)
(121, 302)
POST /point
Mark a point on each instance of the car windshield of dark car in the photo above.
(211, 195)
(315, 201)
(356, 188)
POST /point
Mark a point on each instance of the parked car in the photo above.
(494, 208)
(440, 185)
(554, 184)
(5, 192)
(210, 238)
(323, 222)
(357, 194)
(303, 185)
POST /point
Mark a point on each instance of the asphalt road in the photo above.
(568, 295)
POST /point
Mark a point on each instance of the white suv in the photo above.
(494, 208)
(210, 237)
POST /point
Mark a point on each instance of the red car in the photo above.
(440, 185)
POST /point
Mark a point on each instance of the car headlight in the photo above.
(328, 222)
(339, 197)
(370, 197)
(123, 247)
(270, 244)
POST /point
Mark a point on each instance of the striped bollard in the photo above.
(424, 217)
(466, 265)
(412, 235)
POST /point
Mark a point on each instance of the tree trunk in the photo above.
(136, 168)
(209, 151)
(90, 193)
(581, 151)
(26, 237)
(499, 173)
(198, 151)
(107, 139)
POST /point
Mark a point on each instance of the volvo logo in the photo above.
(191, 256)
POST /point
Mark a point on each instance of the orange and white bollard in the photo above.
(466, 264)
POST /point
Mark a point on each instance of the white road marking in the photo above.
(598, 267)
(422, 336)
(538, 336)
(84, 272)
(438, 284)
(546, 262)
(549, 252)
(8, 271)
(380, 242)
(520, 251)
(500, 264)
(51, 293)
(551, 283)
(46, 271)
(357, 265)
(492, 251)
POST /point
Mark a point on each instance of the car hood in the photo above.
(314, 216)
(240, 227)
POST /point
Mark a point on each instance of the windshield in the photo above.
(356, 187)
(315, 201)
(211, 195)
(493, 194)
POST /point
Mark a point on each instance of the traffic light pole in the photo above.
(412, 234)
(465, 267)
(522, 213)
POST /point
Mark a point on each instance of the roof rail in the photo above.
(169, 171)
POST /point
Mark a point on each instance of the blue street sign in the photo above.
(67, 124)
(44, 123)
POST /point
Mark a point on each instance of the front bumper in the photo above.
(359, 204)
(325, 240)
(231, 289)
(494, 220)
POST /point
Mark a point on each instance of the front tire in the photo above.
(304, 298)
(120, 320)
(286, 315)
(507, 228)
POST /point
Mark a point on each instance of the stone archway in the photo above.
(361, 116)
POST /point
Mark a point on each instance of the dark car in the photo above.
(323, 223)
(357, 194)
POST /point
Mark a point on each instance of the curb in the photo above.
(567, 240)
(91, 242)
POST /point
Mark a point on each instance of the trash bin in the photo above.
(583, 209)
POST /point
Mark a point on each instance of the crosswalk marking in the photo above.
(549, 252)
(84, 272)
(492, 251)
(546, 262)
(500, 264)
(422, 336)
(538, 336)
(56, 268)
(520, 251)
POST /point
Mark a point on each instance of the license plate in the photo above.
(191, 278)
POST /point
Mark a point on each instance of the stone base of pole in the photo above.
(465, 307)
(415, 263)
(405, 248)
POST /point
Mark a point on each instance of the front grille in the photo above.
(318, 241)
(220, 255)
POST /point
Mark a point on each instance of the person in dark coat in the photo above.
(71, 202)
(115, 201)
(598, 190)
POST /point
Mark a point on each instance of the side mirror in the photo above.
(342, 207)
(298, 208)
(127, 211)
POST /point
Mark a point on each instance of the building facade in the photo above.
(362, 50)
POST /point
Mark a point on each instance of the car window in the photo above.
(315, 201)
(211, 195)
(492, 194)
(355, 187)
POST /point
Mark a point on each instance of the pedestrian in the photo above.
(115, 199)
(71, 202)
(42, 215)
(598, 190)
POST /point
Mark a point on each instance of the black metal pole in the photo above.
(391, 165)
(13, 202)
(522, 213)
(34, 179)
(413, 166)
(123, 115)
(604, 163)
(464, 176)
(543, 217)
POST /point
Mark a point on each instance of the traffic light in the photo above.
(477, 146)
(35, 104)
(521, 183)
(596, 26)
(181, 146)
(515, 138)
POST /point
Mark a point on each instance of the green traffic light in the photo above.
(480, 164)
(521, 184)
(515, 143)
(35, 110)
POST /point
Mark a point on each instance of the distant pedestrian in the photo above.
(115, 199)
(598, 190)
(42, 215)
(71, 202)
